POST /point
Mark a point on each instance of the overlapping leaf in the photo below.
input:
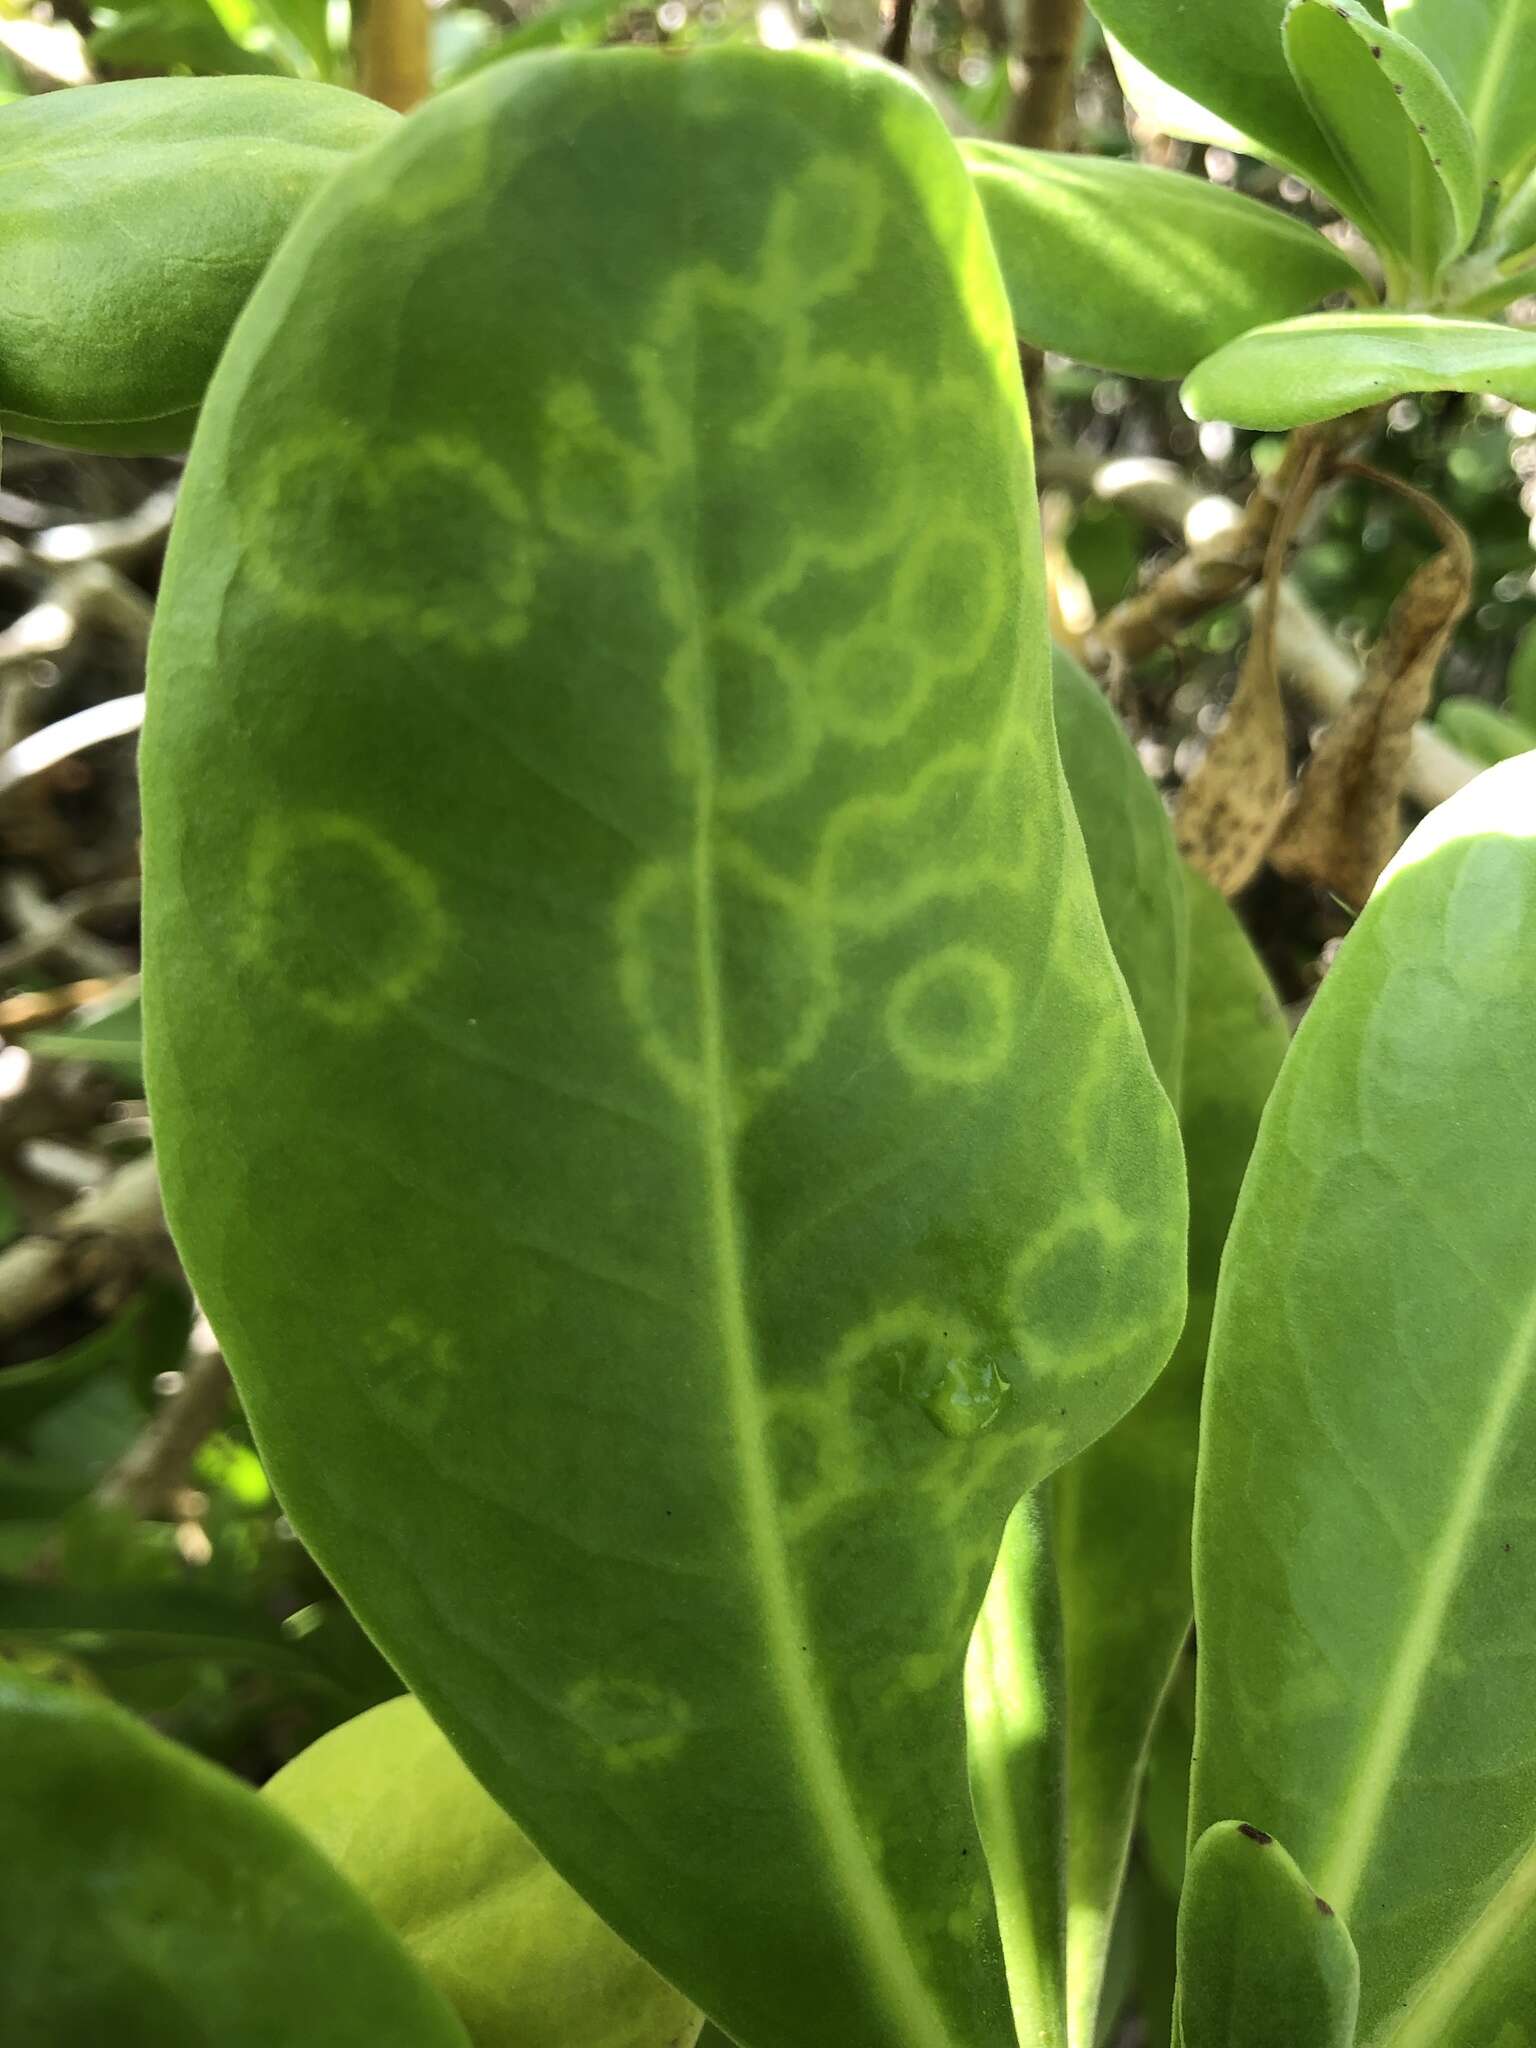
(1367, 1670)
(1141, 270)
(673, 889)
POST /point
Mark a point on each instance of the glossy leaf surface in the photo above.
(1140, 270)
(1486, 734)
(134, 220)
(1263, 1962)
(1327, 364)
(705, 942)
(1486, 52)
(523, 1961)
(1122, 1511)
(151, 1901)
(1412, 159)
(1227, 56)
(1367, 1682)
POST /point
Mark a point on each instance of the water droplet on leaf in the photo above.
(961, 1395)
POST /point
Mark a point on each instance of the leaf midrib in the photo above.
(914, 2015)
(1498, 51)
(1341, 1867)
(1435, 2006)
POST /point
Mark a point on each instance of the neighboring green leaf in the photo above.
(1364, 1524)
(1486, 52)
(111, 1036)
(565, 24)
(1482, 732)
(147, 1898)
(148, 1336)
(134, 220)
(1393, 124)
(140, 1622)
(1263, 1962)
(174, 35)
(1140, 270)
(1226, 55)
(1520, 683)
(1015, 1703)
(1170, 111)
(1137, 874)
(1327, 364)
(519, 1956)
(708, 951)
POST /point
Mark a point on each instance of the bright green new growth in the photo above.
(520, 1957)
(731, 1174)
(1328, 364)
(134, 221)
(1363, 1527)
(149, 1900)
(1263, 1962)
(1140, 270)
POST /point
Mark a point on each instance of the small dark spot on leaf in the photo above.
(1324, 1908)
(1399, 90)
(1375, 49)
(1254, 1834)
(1423, 128)
(1506, 1550)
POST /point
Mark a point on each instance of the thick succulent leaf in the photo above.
(1327, 364)
(1395, 126)
(1137, 873)
(1167, 109)
(522, 1959)
(134, 220)
(1015, 1705)
(1486, 734)
(1486, 52)
(1226, 55)
(1367, 1683)
(1263, 1962)
(673, 885)
(147, 1898)
(1141, 270)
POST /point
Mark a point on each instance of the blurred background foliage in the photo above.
(141, 1552)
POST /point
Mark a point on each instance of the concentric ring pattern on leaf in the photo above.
(641, 1082)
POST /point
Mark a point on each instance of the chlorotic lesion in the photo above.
(950, 1018)
(631, 1723)
(773, 941)
(1064, 1289)
(871, 686)
(823, 232)
(338, 522)
(411, 1372)
(352, 925)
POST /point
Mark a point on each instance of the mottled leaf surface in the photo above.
(1263, 1962)
(150, 1900)
(1363, 1569)
(599, 775)
(134, 220)
(521, 1958)
(1141, 270)
(1327, 364)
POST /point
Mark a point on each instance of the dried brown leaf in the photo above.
(1345, 820)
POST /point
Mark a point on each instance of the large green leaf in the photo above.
(1486, 52)
(1137, 873)
(520, 1957)
(1117, 1542)
(1327, 364)
(1226, 55)
(1394, 125)
(1263, 1962)
(134, 220)
(1366, 1687)
(1141, 270)
(639, 1077)
(149, 1900)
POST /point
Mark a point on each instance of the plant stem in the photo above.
(1042, 72)
(393, 55)
(898, 38)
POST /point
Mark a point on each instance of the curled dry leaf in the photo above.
(1345, 820)
(1231, 807)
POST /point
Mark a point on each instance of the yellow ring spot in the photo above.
(950, 1018)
